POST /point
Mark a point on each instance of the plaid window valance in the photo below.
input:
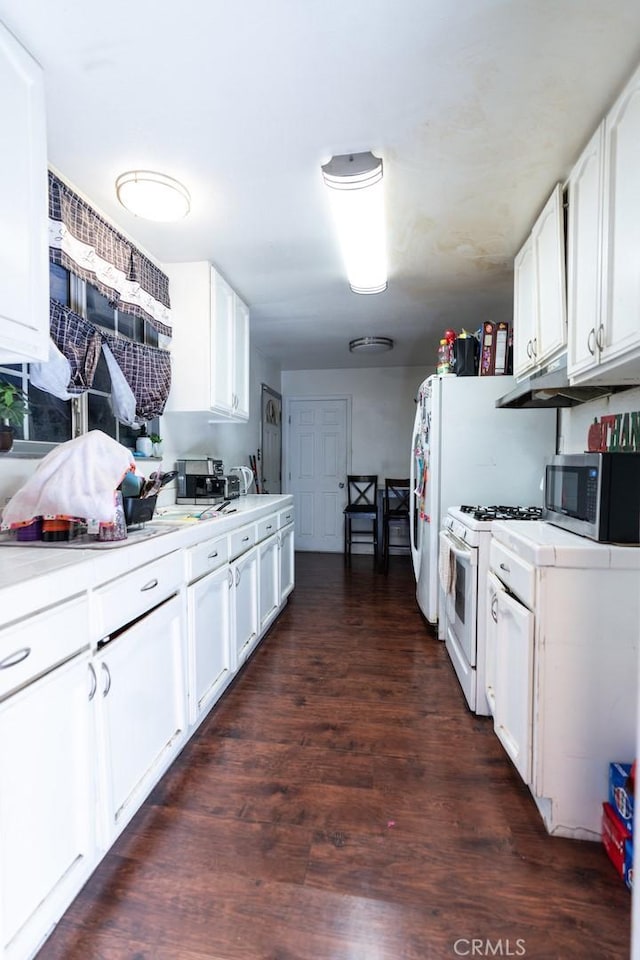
(86, 244)
(147, 370)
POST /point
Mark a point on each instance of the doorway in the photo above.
(270, 465)
(318, 441)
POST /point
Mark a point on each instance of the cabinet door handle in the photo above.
(213, 555)
(503, 566)
(230, 577)
(591, 342)
(94, 682)
(600, 337)
(149, 586)
(530, 350)
(534, 346)
(494, 608)
(15, 658)
(237, 576)
(107, 682)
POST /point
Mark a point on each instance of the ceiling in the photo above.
(476, 107)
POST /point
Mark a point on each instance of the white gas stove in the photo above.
(465, 539)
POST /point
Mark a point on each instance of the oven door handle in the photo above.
(459, 549)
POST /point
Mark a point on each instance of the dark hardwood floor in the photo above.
(341, 803)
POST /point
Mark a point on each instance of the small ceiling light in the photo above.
(152, 196)
(357, 200)
(371, 344)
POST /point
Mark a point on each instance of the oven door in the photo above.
(461, 597)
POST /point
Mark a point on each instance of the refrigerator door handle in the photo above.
(415, 552)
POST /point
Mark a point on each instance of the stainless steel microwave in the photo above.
(594, 494)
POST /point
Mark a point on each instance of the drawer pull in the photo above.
(503, 566)
(15, 658)
(288, 516)
(213, 555)
(244, 539)
(149, 586)
(270, 527)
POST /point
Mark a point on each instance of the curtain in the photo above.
(83, 242)
(86, 244)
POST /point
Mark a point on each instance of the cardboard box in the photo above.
(621, 793)
(614, 835)
(627, 869)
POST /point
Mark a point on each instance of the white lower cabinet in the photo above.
(244, 604)
(510, 675)
(287, 562)
(143, 708)
(209, 613)
(269, 592)
(47, 803)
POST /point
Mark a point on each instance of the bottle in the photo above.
(444, 358)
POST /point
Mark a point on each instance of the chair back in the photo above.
(397, 493)
(362, 490)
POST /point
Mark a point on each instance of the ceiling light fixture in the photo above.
(357, 200)
(371, 344)
(152, 196)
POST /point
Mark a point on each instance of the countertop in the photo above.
(34, 577)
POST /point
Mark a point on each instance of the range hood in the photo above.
(551, 389)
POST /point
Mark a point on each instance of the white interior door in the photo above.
(317, 453)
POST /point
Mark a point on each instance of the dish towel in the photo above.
(447, 568)
(77, 480)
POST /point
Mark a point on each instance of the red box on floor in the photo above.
(614, 834)
(621, 792)
(628, 863)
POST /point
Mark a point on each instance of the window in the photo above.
(51, 420)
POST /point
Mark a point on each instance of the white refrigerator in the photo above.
(465, 450)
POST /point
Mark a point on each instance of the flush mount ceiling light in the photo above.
(152, 196)
(357, 201)
(371, 344)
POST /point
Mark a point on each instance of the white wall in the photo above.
(382, 411)
(575, 421)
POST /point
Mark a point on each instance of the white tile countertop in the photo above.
(35, 575)
(545, 545)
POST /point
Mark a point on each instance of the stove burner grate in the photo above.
(503, 512)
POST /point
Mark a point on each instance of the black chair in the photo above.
(362, 497)
(395, 511)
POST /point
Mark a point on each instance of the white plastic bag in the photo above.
(123, 399)
(53, 376)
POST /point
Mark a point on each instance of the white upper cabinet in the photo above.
(583, 256)
(540, 316)
(24, 269)
(604, 249)
(210, 344)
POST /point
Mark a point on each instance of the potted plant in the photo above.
(156, 441)
(13, 407)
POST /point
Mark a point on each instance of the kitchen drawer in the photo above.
(205, 557)
(240, 540)
(267, 527)
(285, 517)
(36, 645)
(131, 595)
(517, 575)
